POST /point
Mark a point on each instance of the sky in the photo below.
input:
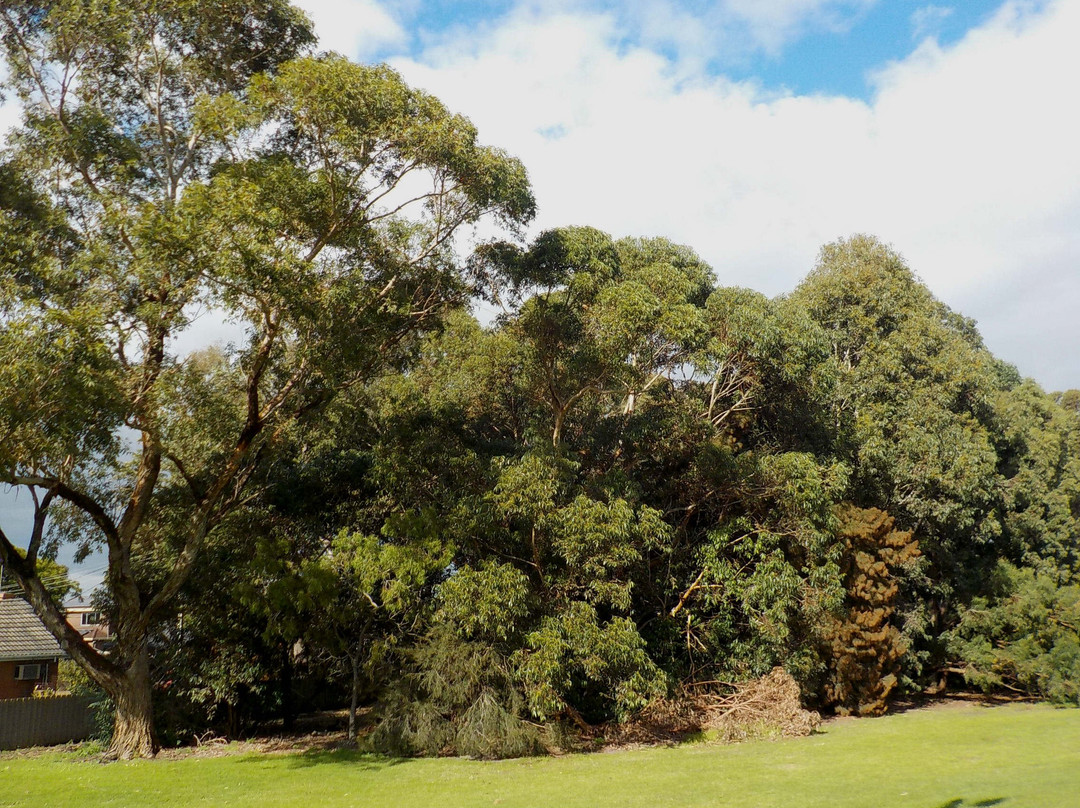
(755, 131)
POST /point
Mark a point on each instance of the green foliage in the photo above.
(491, 602)
(458, 699)
(1038, 441)
(54, 577)
(601, 667)
(771, 576)
(599, 541)
(175, 159)
(913, 408)
(1025, 637)
(629, 479)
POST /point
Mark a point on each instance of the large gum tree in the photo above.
(181, 163)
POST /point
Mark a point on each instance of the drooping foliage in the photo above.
(1023, 636)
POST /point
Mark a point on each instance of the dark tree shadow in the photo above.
(350, 757)
(961, 803)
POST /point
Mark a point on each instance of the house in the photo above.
(29, 654)
(90, 623)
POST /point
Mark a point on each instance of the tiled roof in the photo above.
(22, 635)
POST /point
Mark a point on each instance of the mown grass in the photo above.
(953, 757)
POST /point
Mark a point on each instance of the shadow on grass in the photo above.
(960, 803)
(320, 757)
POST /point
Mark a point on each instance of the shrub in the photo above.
(459, 699)
(864, 648)
(1024, 639)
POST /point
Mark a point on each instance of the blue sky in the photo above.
(798, 47)
(755, 131)
(841, 60)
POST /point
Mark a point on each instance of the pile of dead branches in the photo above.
(768, 707)
(761, 708)
(664, 721)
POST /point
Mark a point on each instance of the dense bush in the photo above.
(458, 698)
(1024, 638)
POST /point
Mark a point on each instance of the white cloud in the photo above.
(927, 20)
(358, 29)
(773, 23)
(965, 159)
(728, 31)
(724, 32)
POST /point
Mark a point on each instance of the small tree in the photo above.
(373, 589)
(865, 648)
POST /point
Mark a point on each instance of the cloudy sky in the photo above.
(757, 130)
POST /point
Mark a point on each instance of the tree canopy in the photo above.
(633, 482)
(177, 163)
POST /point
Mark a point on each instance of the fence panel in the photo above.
(42, 722)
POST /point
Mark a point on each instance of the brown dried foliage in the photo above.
(864, 649)
(768, 707)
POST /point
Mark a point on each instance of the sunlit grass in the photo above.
(952, 757)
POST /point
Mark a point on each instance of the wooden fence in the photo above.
(43, 721)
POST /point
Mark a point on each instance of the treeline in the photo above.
(634, 481)
(631, 484)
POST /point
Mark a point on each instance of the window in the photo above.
(30, 672)
(91, 618)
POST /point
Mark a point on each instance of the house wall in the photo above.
(12, 688)
(97, 634)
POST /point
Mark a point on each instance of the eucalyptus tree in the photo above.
(599, 321)
(914, 416)
(175, 162)
(1038, 446)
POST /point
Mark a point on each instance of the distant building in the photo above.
(29, 654)
(90, 623)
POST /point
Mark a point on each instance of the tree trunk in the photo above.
(133, 728)
(355, 659)
(288, 701)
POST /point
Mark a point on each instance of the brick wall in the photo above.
(12, 688)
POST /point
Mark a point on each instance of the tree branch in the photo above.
(103, 670)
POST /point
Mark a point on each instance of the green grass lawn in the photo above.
(950, 757)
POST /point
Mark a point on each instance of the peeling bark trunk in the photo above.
(133, 728)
